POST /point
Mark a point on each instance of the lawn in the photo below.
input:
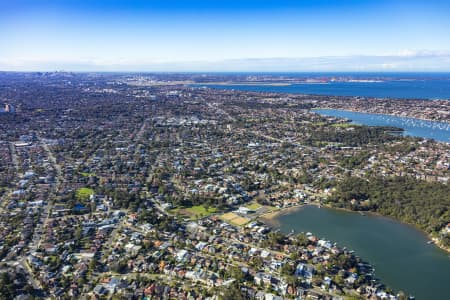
(234, 219)
(85, 174)
(195, 212)
(253, 206)
(84, 193)
(345, 125)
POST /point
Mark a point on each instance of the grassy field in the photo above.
(253, 206)
(195, 212)
(345, 125)
(84, 193)
(84, 174)
(234, 219)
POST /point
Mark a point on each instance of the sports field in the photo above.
(234, 219)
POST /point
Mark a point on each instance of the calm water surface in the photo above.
(417, 89)
(439, 131)
(400, 254)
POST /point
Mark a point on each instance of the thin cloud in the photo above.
(405, 60)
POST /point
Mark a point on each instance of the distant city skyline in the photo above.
(225, 35)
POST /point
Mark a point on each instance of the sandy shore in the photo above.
(270, 218)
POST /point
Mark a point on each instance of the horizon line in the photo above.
(221, 72)
(421, 61)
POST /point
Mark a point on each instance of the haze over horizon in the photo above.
(284, 36)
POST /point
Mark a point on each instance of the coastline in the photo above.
(382, 114)
(243, 83)
(436, 241)
(269, 219)
(315, 108)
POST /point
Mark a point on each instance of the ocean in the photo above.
(383, 85)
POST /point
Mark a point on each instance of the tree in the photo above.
(291, 280)
(301, 240)
(257, 262)
(93, 265)
(232, 292)
(236, 273)
(287, 269)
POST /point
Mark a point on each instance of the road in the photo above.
(14, 155)
(45, 214)
(23, 264)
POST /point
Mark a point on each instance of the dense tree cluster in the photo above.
(353, 136)
(421, 203)
(13, 284)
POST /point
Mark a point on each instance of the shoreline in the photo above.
(381, 114)
(349, 110)
(243, 83)
(436, 241)
(269, 219)
(283, 210)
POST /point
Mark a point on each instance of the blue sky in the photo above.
(315, 35)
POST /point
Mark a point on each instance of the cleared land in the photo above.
(84, 193)
(234, 219)
(345, 125)
(195, 212)
(85, 174)
(254, 206)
